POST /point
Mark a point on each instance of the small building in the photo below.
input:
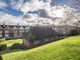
(38, 35)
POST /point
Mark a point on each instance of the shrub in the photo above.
(11, 38)
(3, 47)
(17, 46)
(74, 32)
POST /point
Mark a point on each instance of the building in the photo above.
(12, 31)
(38, 35)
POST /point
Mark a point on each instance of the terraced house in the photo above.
(12, 31)
(16, 30)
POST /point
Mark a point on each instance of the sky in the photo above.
(23, 11)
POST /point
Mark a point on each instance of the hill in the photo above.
(66, 49)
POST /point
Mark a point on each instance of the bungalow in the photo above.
(38, 35)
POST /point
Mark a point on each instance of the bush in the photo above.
(17, 46)
(3, 47)
(74, 32)
(11, 38)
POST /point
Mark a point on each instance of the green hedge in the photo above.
(3, 47)
(18, 46)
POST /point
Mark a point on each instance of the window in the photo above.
(6, 35)
(36, 42)
(6, 31)
(0, 31)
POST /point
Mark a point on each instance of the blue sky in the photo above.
(16, 12)
(23, 11)
(9, 9)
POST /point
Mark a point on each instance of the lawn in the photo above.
(2, 40)
(66, 49)
(11, 42)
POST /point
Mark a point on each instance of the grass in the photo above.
(2, 40)
(11, 42)
(66, 49)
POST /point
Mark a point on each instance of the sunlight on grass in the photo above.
(11, 42)
(66, 49)
(2, 40)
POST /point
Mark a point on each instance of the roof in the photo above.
(39, 33)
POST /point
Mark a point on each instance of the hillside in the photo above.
(66, 49)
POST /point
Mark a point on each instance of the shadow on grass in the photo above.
(14, 50)
(1, 57)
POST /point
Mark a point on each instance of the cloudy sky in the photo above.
(23, 11)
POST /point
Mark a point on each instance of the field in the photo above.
(66, 49)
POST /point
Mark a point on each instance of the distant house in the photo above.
(38, 35)
(12, 31)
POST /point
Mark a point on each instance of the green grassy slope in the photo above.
(66, 49)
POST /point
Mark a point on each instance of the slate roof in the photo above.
(39, 33)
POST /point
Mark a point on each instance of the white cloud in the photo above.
(2, 4)
(61, 13)
(16, 4)
(11, 20)
(35, 5)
